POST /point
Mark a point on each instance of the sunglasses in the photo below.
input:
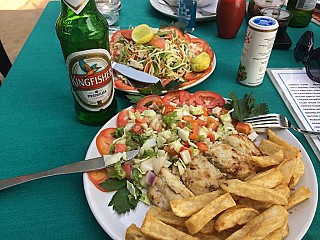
(304, 52)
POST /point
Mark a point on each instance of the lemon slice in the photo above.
(142, 34)
(201, 62)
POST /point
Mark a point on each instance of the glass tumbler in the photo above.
(110, 9)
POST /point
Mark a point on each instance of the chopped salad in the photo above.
(168, 131)
(168, 55)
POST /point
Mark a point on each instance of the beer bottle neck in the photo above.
(70, 6)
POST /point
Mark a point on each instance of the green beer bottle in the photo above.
(84, 38)
(302, 12)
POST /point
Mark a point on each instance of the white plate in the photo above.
(213, 64)
(166, 10)
(115, 225)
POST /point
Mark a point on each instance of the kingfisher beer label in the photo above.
(76, 5)
(91, 78)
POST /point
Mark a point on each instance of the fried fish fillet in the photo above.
(243, 144)
(167, 187)
(230, 161)
(201, 176)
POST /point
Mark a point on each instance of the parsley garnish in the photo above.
(113, 184)
(121, 201)
(245, 107)
(155, 89)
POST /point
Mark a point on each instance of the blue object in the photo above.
(187, 13)
(264, 21)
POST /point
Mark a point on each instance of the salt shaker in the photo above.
(187, 13)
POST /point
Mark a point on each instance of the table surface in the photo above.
(39, 129)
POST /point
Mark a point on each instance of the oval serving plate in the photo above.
(115, 225)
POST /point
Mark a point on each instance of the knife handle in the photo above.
(71, 168)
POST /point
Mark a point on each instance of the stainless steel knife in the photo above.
(83, 166)
(134, 74)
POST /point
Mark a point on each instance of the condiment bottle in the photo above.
(84, 37)
(258, 43)
(187, 10)
(302, 12)
(230, 14)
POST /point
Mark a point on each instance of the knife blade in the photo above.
(134, 74)
(82, 166)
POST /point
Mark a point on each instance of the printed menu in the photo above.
(302, 97)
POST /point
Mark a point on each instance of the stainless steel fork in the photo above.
(275, 121)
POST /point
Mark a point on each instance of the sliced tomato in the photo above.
(141, 120)
(104, 141)
(200, 44)
(157, 42)
(137, 129)
(147, 101)
(195, 76)
(187, 37)
(122, 86)
(127, 167)
(167, 109)
(212, 137)
(119, 148)
(174, 30)
(211, 54)
(123, 117)
(97, 177)
(178, 97)
(207, 99)
(202, 146)
(126, 33)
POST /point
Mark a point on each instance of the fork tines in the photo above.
(264, 121)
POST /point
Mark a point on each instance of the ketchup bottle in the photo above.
(230, 14)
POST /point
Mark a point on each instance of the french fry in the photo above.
(262, 225)
(208, 228)
(185, 207)
(267, 161)
(156, 229)
(301, 194)
(268, 147)
(268, 179)
(287, 168)
(167, 217)
(237, 215)
(253, 191)
(297, 173)
(198, 220)
(134, 233)
(249, 209)
(287, 147)
(278, 234)
(259, 206)
(283, 189)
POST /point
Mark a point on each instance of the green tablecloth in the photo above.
(39, 129)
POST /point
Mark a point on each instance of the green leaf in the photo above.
(174, 84)
(121, 202)
(113, 184)
(134, 98)
(246, 107)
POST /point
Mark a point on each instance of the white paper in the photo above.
(302, 97)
